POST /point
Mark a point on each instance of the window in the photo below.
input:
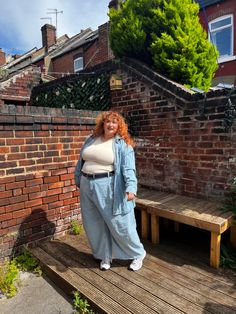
(78, 64)
(221, 34)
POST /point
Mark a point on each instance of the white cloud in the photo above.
(20, 23)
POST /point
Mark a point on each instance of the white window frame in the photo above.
(82, 64)
(231, 56)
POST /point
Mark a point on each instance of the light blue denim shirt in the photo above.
(125, 174)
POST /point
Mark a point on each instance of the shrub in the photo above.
(166, 35)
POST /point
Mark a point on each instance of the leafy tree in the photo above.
(167, 35)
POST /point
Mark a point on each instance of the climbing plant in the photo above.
(90, 93)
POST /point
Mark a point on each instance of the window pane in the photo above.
(78, 64)
(221, 23)
(222, 40)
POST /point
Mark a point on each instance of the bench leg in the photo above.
(215, 250)
(233, 235)
(144, 224)
(176, 226)
(155, 228)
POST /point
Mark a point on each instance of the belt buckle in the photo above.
(94, 176)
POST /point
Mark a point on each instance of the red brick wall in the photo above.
(18, 87)
(95, 53)
(38, 151)
(65, 63)
(177, 149)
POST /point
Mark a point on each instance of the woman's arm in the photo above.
(129, 172)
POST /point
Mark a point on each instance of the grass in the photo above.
(76, 228)
(9, 272)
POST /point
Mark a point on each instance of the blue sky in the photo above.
(20, 20)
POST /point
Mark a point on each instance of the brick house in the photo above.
(57, 57)
(218, 19)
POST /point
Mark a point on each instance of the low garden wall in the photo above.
(39, 148)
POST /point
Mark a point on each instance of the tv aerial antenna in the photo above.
(46, 18)
(56, 12)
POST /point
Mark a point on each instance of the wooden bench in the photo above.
(195, 212)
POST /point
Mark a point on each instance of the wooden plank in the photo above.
(153, 274)
(166, 294)
(192, 221)
(90, 272)
(215, 250)
(175, 257)
(66, 277)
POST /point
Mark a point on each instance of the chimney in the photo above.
(48, 35)
(2, 57)
(114, 4)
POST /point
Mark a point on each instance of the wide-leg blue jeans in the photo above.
(110, 236)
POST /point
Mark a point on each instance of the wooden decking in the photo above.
(173, 280)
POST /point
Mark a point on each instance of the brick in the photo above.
(34, 182)
(14, 207)
(18, 199)
(7, 216)
(4, 201)
(14, 141)
(31, 189)
(56, 185)
(57, 204)
(8, 164)
(15, 171)
(51, 179)
(24, 134)
(15, 185)
(54, 191)
(50, 199)
(4, 150)
(65, 195)
(21, 213)
(70, 201)
(29, 148)
(5, 194)
(33, 203)
(68, 176)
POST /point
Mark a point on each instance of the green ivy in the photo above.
(91, 93)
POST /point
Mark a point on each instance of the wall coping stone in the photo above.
(10, 114)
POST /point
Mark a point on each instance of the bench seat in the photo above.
(195, 212)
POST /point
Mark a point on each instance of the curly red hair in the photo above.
(122, 126)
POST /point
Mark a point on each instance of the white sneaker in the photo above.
(137, 263)
(105, 264)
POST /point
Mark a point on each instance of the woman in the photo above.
(106, 177)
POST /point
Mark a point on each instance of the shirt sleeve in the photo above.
(129, 170)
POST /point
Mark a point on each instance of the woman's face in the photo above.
(110, 127)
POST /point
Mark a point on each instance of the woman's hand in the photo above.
(130, 196)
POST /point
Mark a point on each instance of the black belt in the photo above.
(98, 175)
